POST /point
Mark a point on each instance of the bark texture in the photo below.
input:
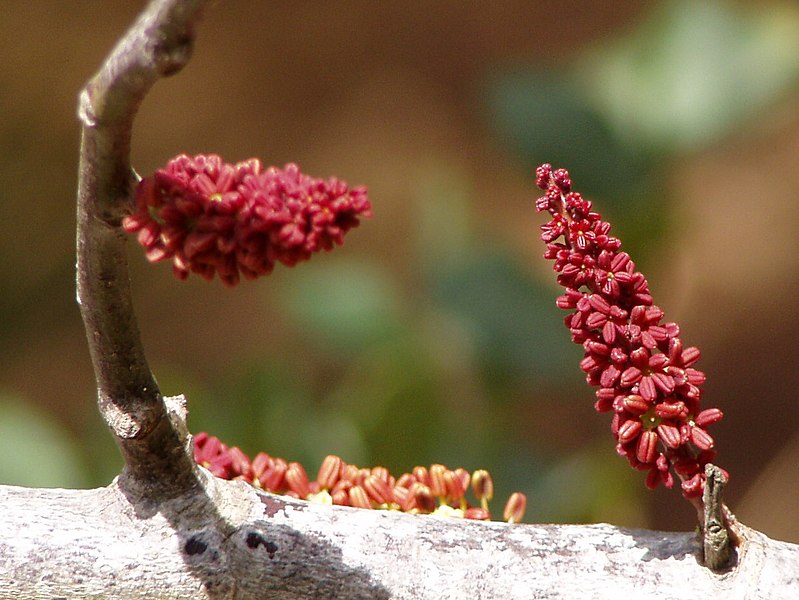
(229, 540)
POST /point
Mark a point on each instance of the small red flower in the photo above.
(214, 218)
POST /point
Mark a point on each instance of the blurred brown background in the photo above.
(432, 335)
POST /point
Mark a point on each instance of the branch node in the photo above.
(85, 109)
(171, 54)
(718, 535)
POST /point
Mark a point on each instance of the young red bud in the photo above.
(260, 464)
(240, 463)
(477, 514)
(402, 497)
(406, 480)
(483, 486)
(329, 471)
(635, 404)
(359, 498)
(515, 507)
(454, 486)
(422, 475)
(646, 450)
(381, 473)
(424, 500)
(377, 489)
(340, 497)
(670, 435)
(629, 430)
(438, 485)
(701, 438)
(708, 417)
(297, 480)
(349, 472)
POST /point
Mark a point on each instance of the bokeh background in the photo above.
(431, 335)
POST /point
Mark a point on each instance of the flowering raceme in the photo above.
(645, 376)
(435, 490)
(211, 217)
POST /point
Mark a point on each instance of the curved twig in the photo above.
(157, 45)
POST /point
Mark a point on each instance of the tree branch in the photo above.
(158, 44)
(228, 540)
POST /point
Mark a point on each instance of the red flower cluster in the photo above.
(211, 217)
(434, 490)
(644, 373)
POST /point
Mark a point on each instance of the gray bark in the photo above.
(229, 540)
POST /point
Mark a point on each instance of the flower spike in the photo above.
(210, 217)
(643, 373)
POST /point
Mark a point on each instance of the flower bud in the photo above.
(477, 514)
(454, 486)
(406, 480)
(297, 479)
(646, 451)
(701, 438)
(359, 498)
(629, 430)
(424, 500)
(515, 507)
(402, 497)
(273, 478)
(708, 417)
(438, 485)
(635, 404)
(670, 435)
(340, 497)
(422, 475)
(483, 486)
(382, 473)
(377, 489)
(329, 471)
(349, 472)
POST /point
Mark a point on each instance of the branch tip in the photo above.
(719, 537)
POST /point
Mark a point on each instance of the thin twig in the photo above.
(157, 45)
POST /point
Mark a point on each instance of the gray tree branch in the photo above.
(229, 540)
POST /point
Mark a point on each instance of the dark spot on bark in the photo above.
(195, 545)
(273, 504)
(255, 539)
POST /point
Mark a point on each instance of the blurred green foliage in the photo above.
(37, 449)
(692, 72)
